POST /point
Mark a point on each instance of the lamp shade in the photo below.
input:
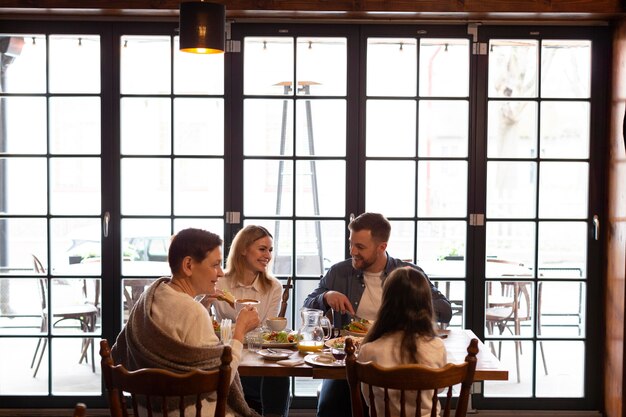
(201, 27)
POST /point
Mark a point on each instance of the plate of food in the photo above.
(323, 359)
(339, 342)
(284, 338)
(357, 327)
(275, 354)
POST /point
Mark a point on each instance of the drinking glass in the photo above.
(255, 340)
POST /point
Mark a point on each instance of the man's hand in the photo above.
(338, 302)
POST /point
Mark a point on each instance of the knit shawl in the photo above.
(143, 344)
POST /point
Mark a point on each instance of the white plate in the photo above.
(276, 354)
(330, 342)
(313, 359)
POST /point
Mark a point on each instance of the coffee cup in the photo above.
(276, 323)
(243, 302)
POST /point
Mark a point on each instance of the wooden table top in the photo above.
(488, 366)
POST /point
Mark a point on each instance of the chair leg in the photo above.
(543, 358)
(43, 350)
(518, 348)
(32, 363)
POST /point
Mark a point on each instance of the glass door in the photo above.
(540, 260)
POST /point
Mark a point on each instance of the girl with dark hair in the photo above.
(404, 333)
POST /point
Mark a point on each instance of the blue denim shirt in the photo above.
(342, 277)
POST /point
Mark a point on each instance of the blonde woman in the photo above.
(247, 276)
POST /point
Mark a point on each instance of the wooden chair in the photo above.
(513, 309)
(411, 380)
(158, 387)
(86, 314)
(283, 305)
(80, 410)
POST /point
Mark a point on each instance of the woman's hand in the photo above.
(247, 319)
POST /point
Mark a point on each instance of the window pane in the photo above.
(390, 128)
(513, 68)
(320, 188)
(268, 127)
(75, 186)
(320, 244)
(20, 308)
(198, 126)
(512, 354)
(145, 243)
(511, 189)
(442, 189)
(321, 66)
(441, 248)
(399, 195)
(563, 379)
(564, 129)
(197, 73)
(509, 306)
(212, 225)
(75, 125)
(268, 188)
(320, 127)
(16, 377)
(566, 68)
(402, 241)
(146, 186)
(391, 67)
(513, 242)
(146, 126)
(198, 194)
(26, 119)
(563, 189)
(25, 174)
(145, 66)
(444, 67)
(512, 129)
(76, 246)
(26, 72)
(83, 75)
(563, 245)
(561, 309)
(268, 65)
(443, 128)
(20, 238)
(69, 377)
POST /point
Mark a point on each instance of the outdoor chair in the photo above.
(86, 314)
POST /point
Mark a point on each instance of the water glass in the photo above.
(255, 340)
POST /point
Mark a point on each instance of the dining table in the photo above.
(488, 367)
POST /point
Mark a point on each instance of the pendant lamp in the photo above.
(201, 27)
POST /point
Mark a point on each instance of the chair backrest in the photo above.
(283, 304)
(411, 380)
(159, 388)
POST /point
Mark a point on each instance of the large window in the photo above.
(481, 152)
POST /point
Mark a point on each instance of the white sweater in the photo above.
(185, 319)
(386, 353)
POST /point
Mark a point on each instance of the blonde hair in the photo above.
(236, 261)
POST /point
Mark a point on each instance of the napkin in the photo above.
(291, 362)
